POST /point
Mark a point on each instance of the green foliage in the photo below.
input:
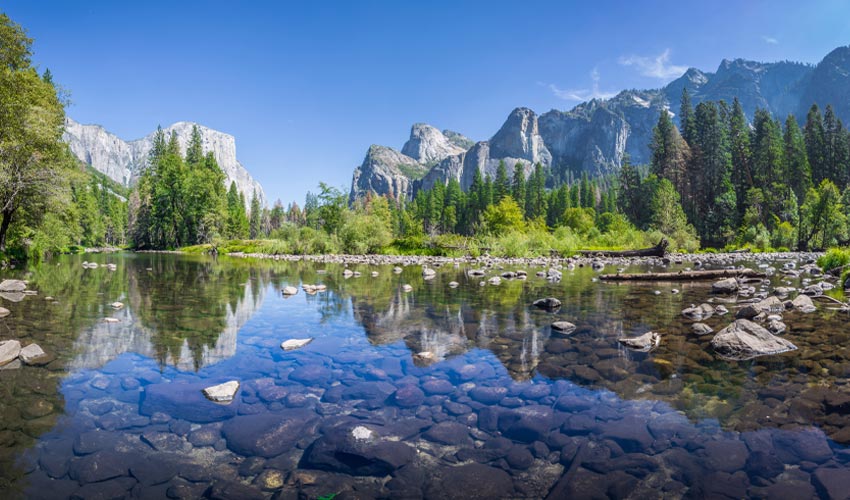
(503, 217)
(834, 258)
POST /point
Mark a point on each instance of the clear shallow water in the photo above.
(507, 405)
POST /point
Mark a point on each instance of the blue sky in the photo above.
(306, 87)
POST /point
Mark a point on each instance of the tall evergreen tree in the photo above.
(815, 145)
(256, 220)
(714, 204)
(687, 119)
(518, 185)
(670, 154)
(796, 161)
(739, 143)
(836, 151)
(502, 185)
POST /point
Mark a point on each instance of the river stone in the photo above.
(744, 339)
(726, 455)
(292, 344)
(33, 355)
(549, 303)
(701, 329)
(99, 466)
(310, 374)
(9, 351)
(289, 290)
(119, 487)
(832, 483)
(4, 312)
(698, 313)
(222, 393)
(268, 434)
(727, 285)
(408, 396)
(117, 305)
(450, 433)
(776, 327)
(488, 395)
(564, 327)
(12, 286)
(644, 343)
(527, 423)
(482, 483)
(358, 450)
(438, 386)
(184, 401)
(807, 444)
(803, 303)
(406, 288)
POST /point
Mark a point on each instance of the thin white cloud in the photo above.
(769, 39)
(655, 66)
(581, 94)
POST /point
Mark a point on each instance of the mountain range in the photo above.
(594, 136)
(123, 161)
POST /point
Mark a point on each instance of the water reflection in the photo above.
(502, 398)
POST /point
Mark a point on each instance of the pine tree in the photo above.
(256, 221)
(630, 197)
(518, 185)
(739, 143)
(502, 185)
(836, 153)
(687, 120)
(796, 161)
(670, 154)
(714, 205)
(815, 145)
(195, 150)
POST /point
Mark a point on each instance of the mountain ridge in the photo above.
(593, 136)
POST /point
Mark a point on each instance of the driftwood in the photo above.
(659, 250)
(709, 274)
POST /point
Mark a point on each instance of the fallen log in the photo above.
(708, 274)
(659, 250)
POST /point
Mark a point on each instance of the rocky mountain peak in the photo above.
(519, 138)
(124, 161)
(428, 145)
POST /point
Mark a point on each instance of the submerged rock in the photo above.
(744, 339)
(222, 393)
(701, 329)
(644, 343)
(564, 327)
(289, 291)
(549, 303)
(184, 401)
(358, 450)
(698, 313)
(268, 434)
(9, 351)
(292, 344)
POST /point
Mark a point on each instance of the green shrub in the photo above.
(834, 258)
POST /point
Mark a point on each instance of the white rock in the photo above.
(292, 344)
(222, 393)
(111, 320)
(12, 286)
(407, 288)
(290, 290)
(4, 312)
(453, 284)
(32, 354)
(117, 305)
(9, 351)
(361, 433)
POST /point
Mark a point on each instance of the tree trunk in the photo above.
(4, 227)
(658, 250)
(686, 275)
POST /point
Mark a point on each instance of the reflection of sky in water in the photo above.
(635, 424)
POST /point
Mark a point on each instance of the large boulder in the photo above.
(803, 303)
(744, 339)
(269, 434)
(357, 449)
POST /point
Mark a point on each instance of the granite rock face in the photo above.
(124, 161)
(593, 137)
